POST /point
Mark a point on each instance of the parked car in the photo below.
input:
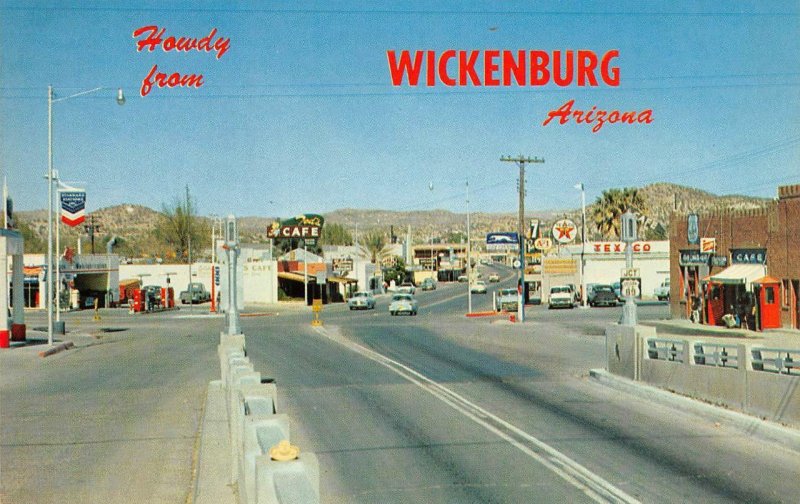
(662, 291)
(403, 303)
(463, 278)
(562, 296)
(198, 294)
(478, 287)
(576, 293)
(361, 301)
(603, 295)
(494, 277)
(590, 292)
(508, 300)
(618, 290)
(428, 284)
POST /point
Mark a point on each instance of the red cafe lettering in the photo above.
(619, 247)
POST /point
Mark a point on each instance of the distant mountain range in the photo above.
(134, 224)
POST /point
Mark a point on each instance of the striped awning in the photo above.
(739, 274)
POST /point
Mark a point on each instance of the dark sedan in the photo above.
(603, 295)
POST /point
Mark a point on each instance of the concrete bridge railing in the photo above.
(755, 379)
(265, 467)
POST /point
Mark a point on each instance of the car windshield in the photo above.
(556, 290)
(508, 292)
(603, 288)
(402, 297)
(361, 294)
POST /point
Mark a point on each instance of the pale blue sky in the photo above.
(300, 115)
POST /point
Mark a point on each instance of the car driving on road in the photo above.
(478, 287)
(403, 303)
(494, 277)
(428, 284)
(361, 301)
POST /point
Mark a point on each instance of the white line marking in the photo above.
(594, 486)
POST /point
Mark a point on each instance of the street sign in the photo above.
(517, 264)
(631, 287)
(630, 273)
(708, 245)
(316, 305)
(543, 244)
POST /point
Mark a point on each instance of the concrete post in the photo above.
(4, 333)
(18, 285)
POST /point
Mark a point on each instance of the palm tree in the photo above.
(610, 206)
(375, 246)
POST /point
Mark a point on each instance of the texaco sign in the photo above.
(564, 231)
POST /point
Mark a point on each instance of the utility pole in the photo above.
(521, 160)
(90, 229)
(469, 259)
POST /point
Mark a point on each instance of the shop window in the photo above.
(770, 295)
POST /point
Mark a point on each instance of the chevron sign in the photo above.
(73, 205)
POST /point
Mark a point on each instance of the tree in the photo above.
(375, 246)
(335, 234)
(178, 226)
(34, 244)
(610, 206)
(397, 272)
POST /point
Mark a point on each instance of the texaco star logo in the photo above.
(564, 231)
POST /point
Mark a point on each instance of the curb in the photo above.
(58, 348)
(483, 314)
(753, 426)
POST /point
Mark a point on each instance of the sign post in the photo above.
(232, 251)
(628, 229)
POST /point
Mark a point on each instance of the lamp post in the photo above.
(584, 294)
(51, 281)
(469, 259)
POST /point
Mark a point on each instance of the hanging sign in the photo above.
(73, 206)
(708, 245)
(693, 229)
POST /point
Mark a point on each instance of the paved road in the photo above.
(433, 408)
(441, 408)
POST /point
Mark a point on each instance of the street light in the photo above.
(584, 294)
(469, 259)
(51, 281)
(628, 232)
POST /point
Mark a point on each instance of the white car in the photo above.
(478, 287)
(494, 277)
(562, 296)
(361, 301)
(403, 303)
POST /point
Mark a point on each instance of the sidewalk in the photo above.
(213, 474)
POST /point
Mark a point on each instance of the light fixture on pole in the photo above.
(51, 280)
(584, 294)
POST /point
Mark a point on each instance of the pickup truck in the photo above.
(662, 291)
(199, 294)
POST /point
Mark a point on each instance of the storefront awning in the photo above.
(293, 276)
(343, 280)
(739, 274)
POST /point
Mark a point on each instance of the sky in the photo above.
(300, 114)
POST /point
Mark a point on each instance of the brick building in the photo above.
(742, 263)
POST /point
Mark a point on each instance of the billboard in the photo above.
(502, 242)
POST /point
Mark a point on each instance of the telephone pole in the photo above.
(521, 160)
(90, 229)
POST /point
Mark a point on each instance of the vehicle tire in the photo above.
(351, 308)
(392, 313)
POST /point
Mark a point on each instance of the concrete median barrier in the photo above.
(256, 430)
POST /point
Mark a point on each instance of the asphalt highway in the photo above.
(443, 408)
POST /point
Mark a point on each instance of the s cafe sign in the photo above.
(307, 226)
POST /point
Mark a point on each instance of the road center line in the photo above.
(594, 486)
